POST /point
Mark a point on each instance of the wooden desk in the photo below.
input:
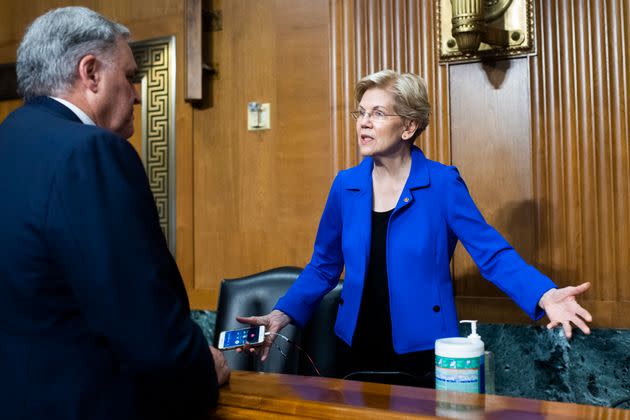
(251, 395)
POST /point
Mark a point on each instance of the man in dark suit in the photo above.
(94, 317)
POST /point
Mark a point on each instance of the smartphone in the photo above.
(231, 339)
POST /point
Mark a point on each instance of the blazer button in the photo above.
(436, 308)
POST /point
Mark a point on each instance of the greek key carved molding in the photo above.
(156, 73)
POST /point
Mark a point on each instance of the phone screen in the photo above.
(236, 338)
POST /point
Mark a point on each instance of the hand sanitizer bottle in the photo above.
(459, 362)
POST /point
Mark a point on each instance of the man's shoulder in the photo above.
(34, 131)
(53, 128)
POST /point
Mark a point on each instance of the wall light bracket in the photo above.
(472, 30)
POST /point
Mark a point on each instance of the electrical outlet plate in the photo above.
(258, 116)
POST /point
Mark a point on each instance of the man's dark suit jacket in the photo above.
(94, 318)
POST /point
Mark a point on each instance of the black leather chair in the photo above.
(256, 295)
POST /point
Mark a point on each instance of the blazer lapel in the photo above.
(418, 178)
(358, 193)
(359, 197)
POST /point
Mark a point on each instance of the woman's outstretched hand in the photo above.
(562, 308)
(273, 322)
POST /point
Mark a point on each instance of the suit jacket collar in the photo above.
(360, 177)
(54, 107)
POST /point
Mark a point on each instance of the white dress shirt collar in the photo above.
(78, 112)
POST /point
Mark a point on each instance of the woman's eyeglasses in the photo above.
(376, 115)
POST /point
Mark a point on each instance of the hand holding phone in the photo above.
(232, 339)
(273, 322)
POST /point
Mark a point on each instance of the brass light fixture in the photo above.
(473, 29)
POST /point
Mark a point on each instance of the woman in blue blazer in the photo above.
(394, 221)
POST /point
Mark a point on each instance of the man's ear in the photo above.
(89, 72)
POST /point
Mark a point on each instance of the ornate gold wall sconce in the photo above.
(470, 30)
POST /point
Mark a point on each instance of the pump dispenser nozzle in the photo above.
(473, 329)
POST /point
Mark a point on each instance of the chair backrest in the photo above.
(256, 295)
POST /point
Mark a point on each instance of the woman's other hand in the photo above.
(273, 322)
(562, 308)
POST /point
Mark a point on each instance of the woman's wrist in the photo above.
(545, 297)
(280, 317)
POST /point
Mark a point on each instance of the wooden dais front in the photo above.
(267, 395)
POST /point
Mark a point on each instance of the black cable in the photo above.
(298, 347)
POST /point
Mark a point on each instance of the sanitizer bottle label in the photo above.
(459, 374)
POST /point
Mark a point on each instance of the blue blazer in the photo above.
(94, 318)
(434, 211)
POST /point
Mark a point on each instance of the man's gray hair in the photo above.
(55, 43)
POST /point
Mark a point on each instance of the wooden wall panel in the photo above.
(259, 194)
(491, 147)
(7, 106)
(136, 138)
(582, 160)
(17, 15)
(372, 35)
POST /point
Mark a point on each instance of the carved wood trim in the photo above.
(368, 36)
(580, 128)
